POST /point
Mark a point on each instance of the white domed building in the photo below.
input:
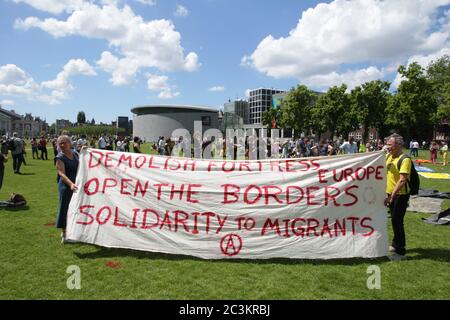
(153, 121)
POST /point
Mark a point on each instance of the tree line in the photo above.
(421, 102)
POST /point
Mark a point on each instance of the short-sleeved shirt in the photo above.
(349, 147)
(323, 149)
(393, 174)
(43, 143)
(18, 146)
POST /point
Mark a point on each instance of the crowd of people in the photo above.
(288, 148)
(433, 146)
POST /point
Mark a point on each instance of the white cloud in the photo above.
(16, 82)
(54, 6)
(363, 32)
(147, 2)
(217, 89)
(7, 103)
(160, 84)
(351, 78)
(423, 60)
(136, 43)
(247, 93)
(61, 86)
(181, 11)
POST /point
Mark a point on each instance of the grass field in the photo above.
(33, 263)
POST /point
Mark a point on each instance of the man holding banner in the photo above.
(397, 195)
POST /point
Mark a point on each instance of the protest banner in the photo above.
(313, 208)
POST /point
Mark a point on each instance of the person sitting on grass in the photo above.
(67, 162)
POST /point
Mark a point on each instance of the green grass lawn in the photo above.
(33, 263)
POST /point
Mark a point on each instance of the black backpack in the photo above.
(12, 144)
(413, 180)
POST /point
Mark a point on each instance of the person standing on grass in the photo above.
(397, 196)
(4, 145)
(160, 146)
(137, 145)
(43, 144)
(3, 160)
(102, 142)
(34, 148)
(67, 162)
(120, 143)
(17, 152)
(24, 152)
(416, 148)
(81, 142)
(55, 146)
(93, 142)
(434, 148)
(444, 152)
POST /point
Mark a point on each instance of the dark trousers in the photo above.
(398, 210)
(17, 162)
(44, 151)
(35, 152)
(2, 173)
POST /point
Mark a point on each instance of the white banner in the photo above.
(313, 208)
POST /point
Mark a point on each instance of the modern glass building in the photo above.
(236, 114)
(259, 101)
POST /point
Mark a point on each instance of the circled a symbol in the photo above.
(231, 244)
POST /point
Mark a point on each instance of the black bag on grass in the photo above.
(15, 200)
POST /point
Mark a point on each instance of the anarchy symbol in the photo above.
(231, 244)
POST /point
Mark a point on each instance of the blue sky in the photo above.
(104, 57)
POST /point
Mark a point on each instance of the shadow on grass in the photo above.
(117, 253)
(14, 209)
(430, 254)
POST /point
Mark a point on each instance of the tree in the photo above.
(270, 116)
(333, 112)
(93, 121)
(90, 130)
(370, 102)
(53, 128)
(411, 110)
(438, 73)
(81, 117)
(296, 111)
